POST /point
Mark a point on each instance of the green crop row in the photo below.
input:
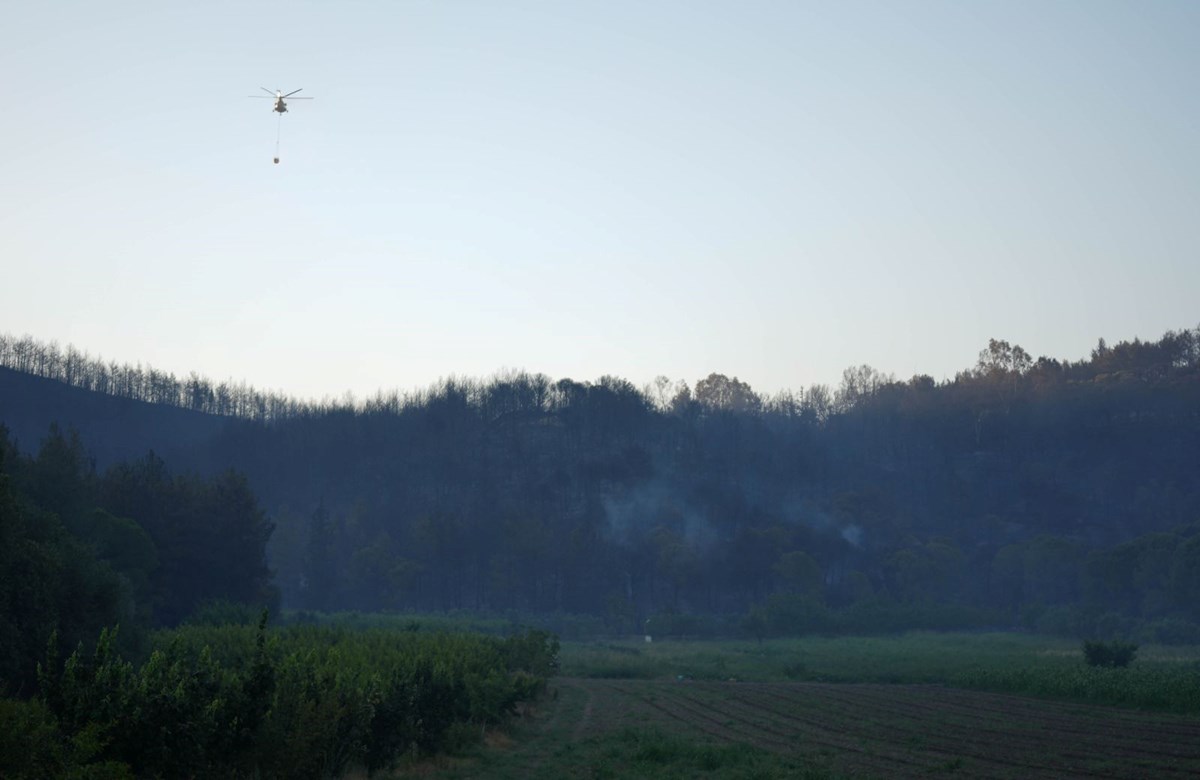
(1165, 687)
(303, 701)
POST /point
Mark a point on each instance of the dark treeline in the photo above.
(82, 552)
(1060, 493)
(138, 383)
(135, 546)
(79, 369)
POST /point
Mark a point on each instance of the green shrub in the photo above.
(533, 651)
(30, 744)
(32, 747)
(1113, 655)
(302, 701)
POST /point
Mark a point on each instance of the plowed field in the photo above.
(885, 731)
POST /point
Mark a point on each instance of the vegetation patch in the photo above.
(304, 701)
(1165, 678)
(1111, 655)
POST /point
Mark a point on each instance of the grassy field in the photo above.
(918, 705)
(1162, 678)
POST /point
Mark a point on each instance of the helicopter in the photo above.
(280, 107)
(279, 97)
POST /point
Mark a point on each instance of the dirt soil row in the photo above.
(901, 730)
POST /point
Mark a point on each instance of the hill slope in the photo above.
(113, 428)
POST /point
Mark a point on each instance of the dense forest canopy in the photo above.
(135, 545)
(1021, 487)
(90, 560)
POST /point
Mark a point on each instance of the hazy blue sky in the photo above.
(773, 190)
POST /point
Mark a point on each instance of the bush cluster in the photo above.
(1113, 655)
(236, 701)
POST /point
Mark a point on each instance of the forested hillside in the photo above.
(115, 427)
(1022, 489)
(135, 545)
(93, 563)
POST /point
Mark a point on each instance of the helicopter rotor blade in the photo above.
(292, 93)
(269, 92)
